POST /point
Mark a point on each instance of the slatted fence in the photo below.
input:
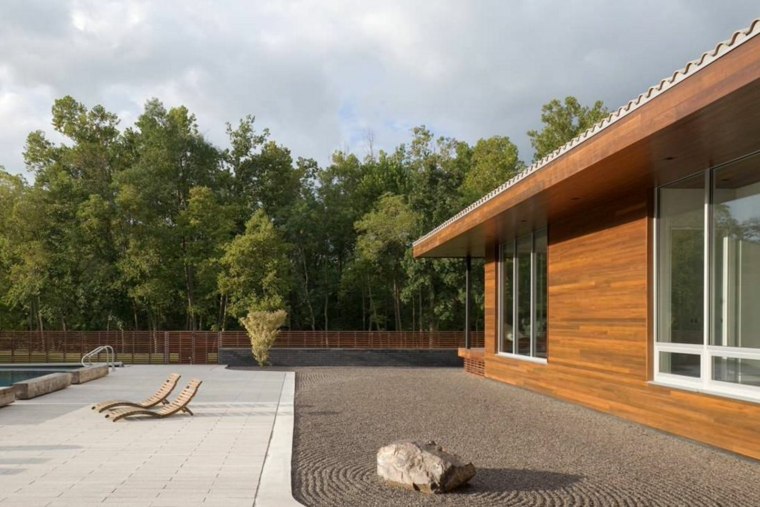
(202, 347)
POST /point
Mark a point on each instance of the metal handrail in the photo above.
(87, 358)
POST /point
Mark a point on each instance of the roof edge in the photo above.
(722, 48)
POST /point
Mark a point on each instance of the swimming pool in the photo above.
(10, 374)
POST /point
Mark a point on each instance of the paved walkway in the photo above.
(55, 451)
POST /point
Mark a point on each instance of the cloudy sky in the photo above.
(322, 74)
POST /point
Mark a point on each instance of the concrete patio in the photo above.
(56, 451)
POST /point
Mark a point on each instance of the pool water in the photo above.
(10, 376)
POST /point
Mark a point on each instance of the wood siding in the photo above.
(600, 331)
(473, 361)
(490, 300)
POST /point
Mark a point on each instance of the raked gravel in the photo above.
(529, 449)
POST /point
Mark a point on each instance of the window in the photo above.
(708, 281)
(523, 296)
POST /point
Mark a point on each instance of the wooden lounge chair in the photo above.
(179, 404)
(159, 397)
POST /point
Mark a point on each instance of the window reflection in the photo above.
(681, 262)
(523, 293)
(508, 297)
(737, 370)
(680, 364)
(540, 291)
(722, 219)
(524, 247)
(736, 257)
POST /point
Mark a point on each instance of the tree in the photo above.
(385, 234)
(154, 227)
(306, 233)
(562, 123)
(437, 170)
(12, 193)
(263, 172)
(345, 191)
(492, 162)
(171, 159)
(207, 225)
(262, 328)
(70, 217)
(255, 269)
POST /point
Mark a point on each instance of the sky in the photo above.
(330, 75)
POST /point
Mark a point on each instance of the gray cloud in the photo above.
(322, 74)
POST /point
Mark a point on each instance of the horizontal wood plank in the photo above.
(600, 332)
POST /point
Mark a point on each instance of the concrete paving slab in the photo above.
(56, 451)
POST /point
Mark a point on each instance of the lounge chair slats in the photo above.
(158, 397)
(179, 404)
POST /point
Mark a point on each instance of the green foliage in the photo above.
(385, 234)
(493, 162)
(255, 268)
(154, 227)
(164, 233)
(64, 273)
(562, 123)
(13, 192)
(206, 224)
(262, 328)
(437, 168)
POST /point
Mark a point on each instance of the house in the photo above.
(622, 272)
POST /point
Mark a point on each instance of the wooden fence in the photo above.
(202, 347)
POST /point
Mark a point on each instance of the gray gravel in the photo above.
(529, 449)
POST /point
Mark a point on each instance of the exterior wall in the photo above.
(490, 300)
(600, 331)
(473, 361)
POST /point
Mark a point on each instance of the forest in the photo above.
(154, 227)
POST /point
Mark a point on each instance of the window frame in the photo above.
(707, 352)
(514, 282)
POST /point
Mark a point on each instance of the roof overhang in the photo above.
(702, 116)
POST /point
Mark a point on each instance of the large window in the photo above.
(523, 296)
(708, 281)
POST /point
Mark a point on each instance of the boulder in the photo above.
(422, 467)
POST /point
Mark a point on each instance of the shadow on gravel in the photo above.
(513, 479)
(304, 409)
(323, 412)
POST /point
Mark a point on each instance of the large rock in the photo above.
(422, 467)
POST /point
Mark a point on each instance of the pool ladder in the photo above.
(110, 353)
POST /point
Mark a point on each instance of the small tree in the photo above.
(263, 328)
(255, 268)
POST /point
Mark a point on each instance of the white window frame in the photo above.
(705, 383)
(500, 297)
